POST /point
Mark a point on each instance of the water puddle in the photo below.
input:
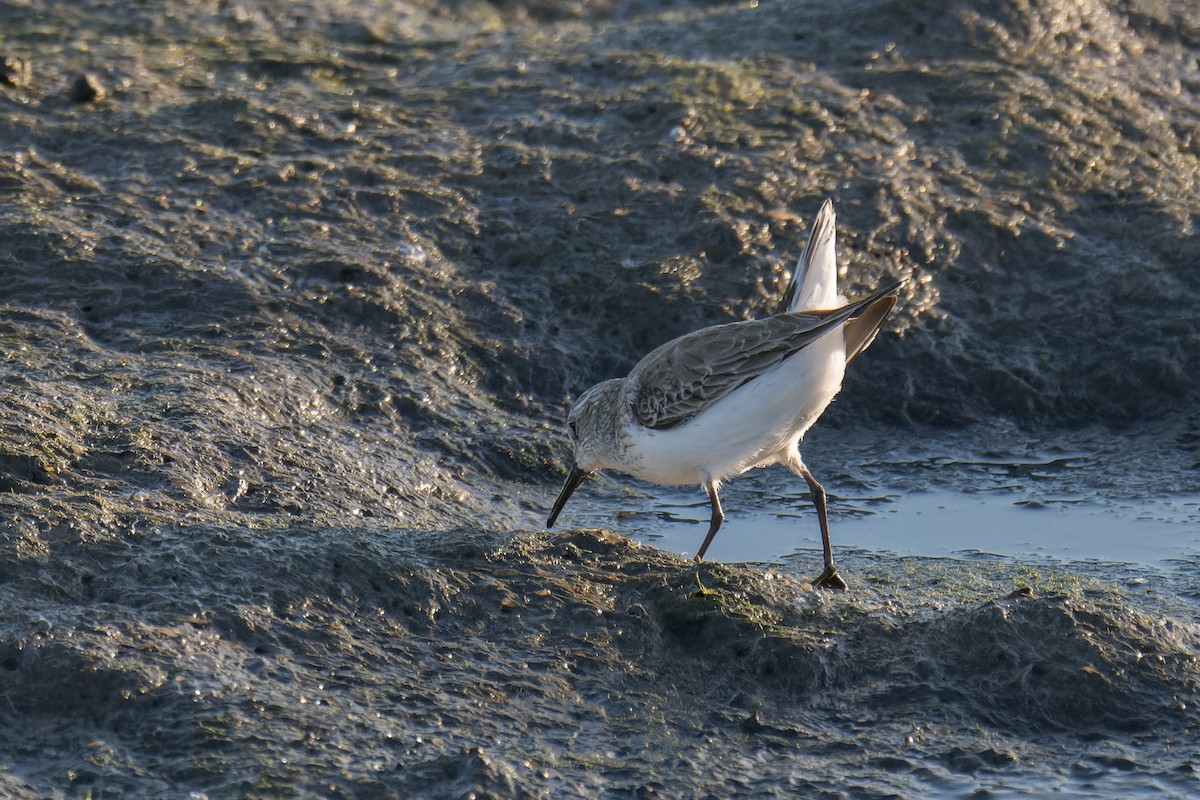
(931, 523)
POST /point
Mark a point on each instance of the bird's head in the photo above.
(592, 425)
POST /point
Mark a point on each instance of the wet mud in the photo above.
(368, 662)
(294, 300)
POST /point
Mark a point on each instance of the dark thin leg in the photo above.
(818, 496)
(829, 579)
(718, 516)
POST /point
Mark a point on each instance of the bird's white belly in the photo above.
(755, 425)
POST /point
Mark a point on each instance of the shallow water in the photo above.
(295, 300)
(942, 524)
(768, 520)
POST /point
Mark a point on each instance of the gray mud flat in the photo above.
(353, 662)
(293, 298)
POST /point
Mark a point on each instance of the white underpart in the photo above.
(758, 424)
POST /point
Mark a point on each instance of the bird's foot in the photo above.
(829, 579)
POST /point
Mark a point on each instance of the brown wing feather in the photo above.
(860, 331)
(681, 378)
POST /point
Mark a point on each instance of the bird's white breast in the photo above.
(754, 425)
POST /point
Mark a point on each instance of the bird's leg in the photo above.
(718, 516)
(829, 578)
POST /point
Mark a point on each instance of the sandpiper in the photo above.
(718, 402)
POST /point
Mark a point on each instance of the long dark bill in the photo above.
(573, 480)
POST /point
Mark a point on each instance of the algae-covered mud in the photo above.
(294, 300)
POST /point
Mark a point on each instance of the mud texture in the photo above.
(295, 297)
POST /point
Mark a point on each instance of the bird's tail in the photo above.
(814, 281)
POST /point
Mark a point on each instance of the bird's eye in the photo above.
(571, 427)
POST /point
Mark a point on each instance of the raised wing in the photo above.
(684, 376)
(814, 280)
